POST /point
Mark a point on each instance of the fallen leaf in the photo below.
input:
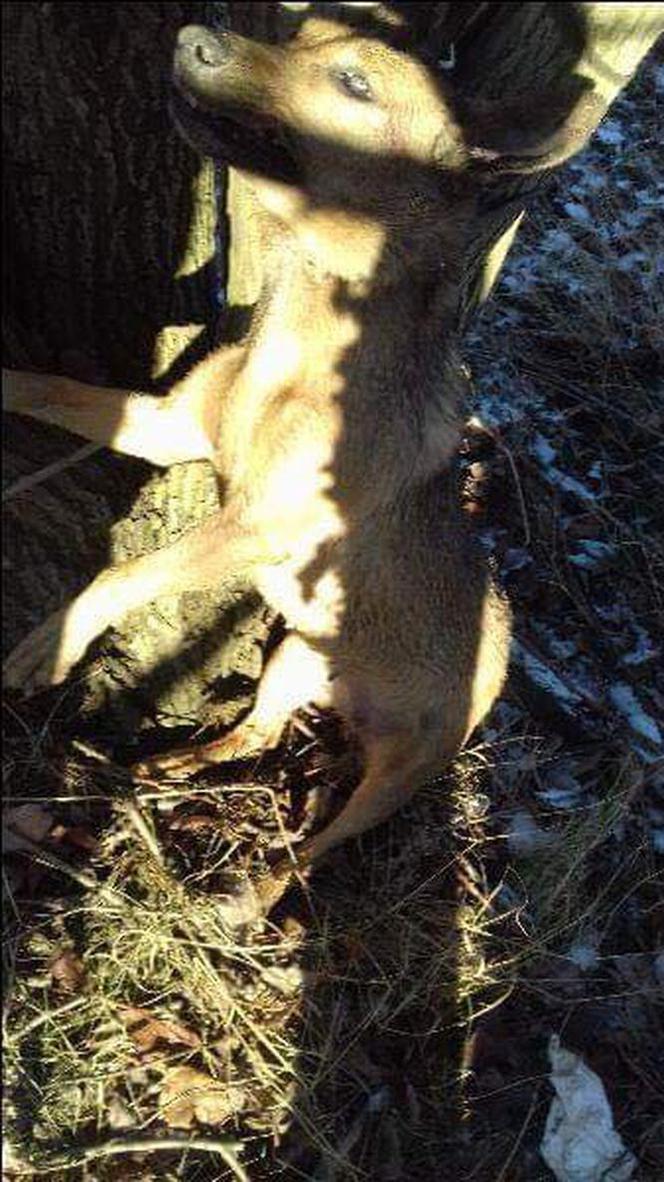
(474, 508)
(287, 980)
(146, 1030)
(188, 1095)
(30, 821)
(67, 971)
(118, 1115)
(13, 1166)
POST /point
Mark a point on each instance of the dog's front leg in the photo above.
(179, 427)
(296, 676)
(203, 558)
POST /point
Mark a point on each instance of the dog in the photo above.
(332, 426)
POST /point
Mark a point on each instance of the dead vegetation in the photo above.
(394, 1015)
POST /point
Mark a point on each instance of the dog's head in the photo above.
(346, 138)
(349, 139)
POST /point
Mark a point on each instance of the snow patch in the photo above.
(609, 133)
(562, 790)
(643, 650)
(625, 701)
(592, 554)
(543, 676)
(583, 954)
(545, 454)
(524, 837)
(577, 211)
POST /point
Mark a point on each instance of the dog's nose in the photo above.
(208, 49)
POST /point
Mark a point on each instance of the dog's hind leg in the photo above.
(205, 557)
(394, 770)
(296, 675)
(164, 430)
(395, 767)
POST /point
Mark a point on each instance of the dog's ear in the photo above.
(529, 133)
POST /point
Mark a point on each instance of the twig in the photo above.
(520, 1135)
(15, 1036)
(89, 881)
(224, 1146)
(519, 490)
(135, 816)
(92, 753)
(28, 482)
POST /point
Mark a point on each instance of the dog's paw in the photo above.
(46, 656)
(178, 764)
(271, 886)
(252, 901)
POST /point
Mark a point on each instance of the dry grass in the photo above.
(396, 1016)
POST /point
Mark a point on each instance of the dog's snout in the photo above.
(207, 49)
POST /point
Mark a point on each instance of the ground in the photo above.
(392, 1020)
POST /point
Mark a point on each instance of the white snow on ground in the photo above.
(562, 791)
(584, 952)
(643, 649)
(543, 676)
(624, 700)
(525, 837)
(592, 554)
(606, 207)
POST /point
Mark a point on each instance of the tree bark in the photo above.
(110, 276)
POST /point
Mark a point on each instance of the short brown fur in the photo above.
(332, 426)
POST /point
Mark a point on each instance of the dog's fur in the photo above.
(332, 427)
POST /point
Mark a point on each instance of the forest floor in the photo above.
(393, 1019)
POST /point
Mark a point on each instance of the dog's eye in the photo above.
(354, 84)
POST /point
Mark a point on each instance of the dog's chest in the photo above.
(283, 420)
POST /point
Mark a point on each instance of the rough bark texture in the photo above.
(109, 276)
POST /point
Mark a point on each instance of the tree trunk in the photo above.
(110, 276)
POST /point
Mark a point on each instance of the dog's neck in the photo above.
(388, 317)
(384, 358)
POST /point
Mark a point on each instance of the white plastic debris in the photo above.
(580, 1143)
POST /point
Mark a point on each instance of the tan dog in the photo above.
(333, 424)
